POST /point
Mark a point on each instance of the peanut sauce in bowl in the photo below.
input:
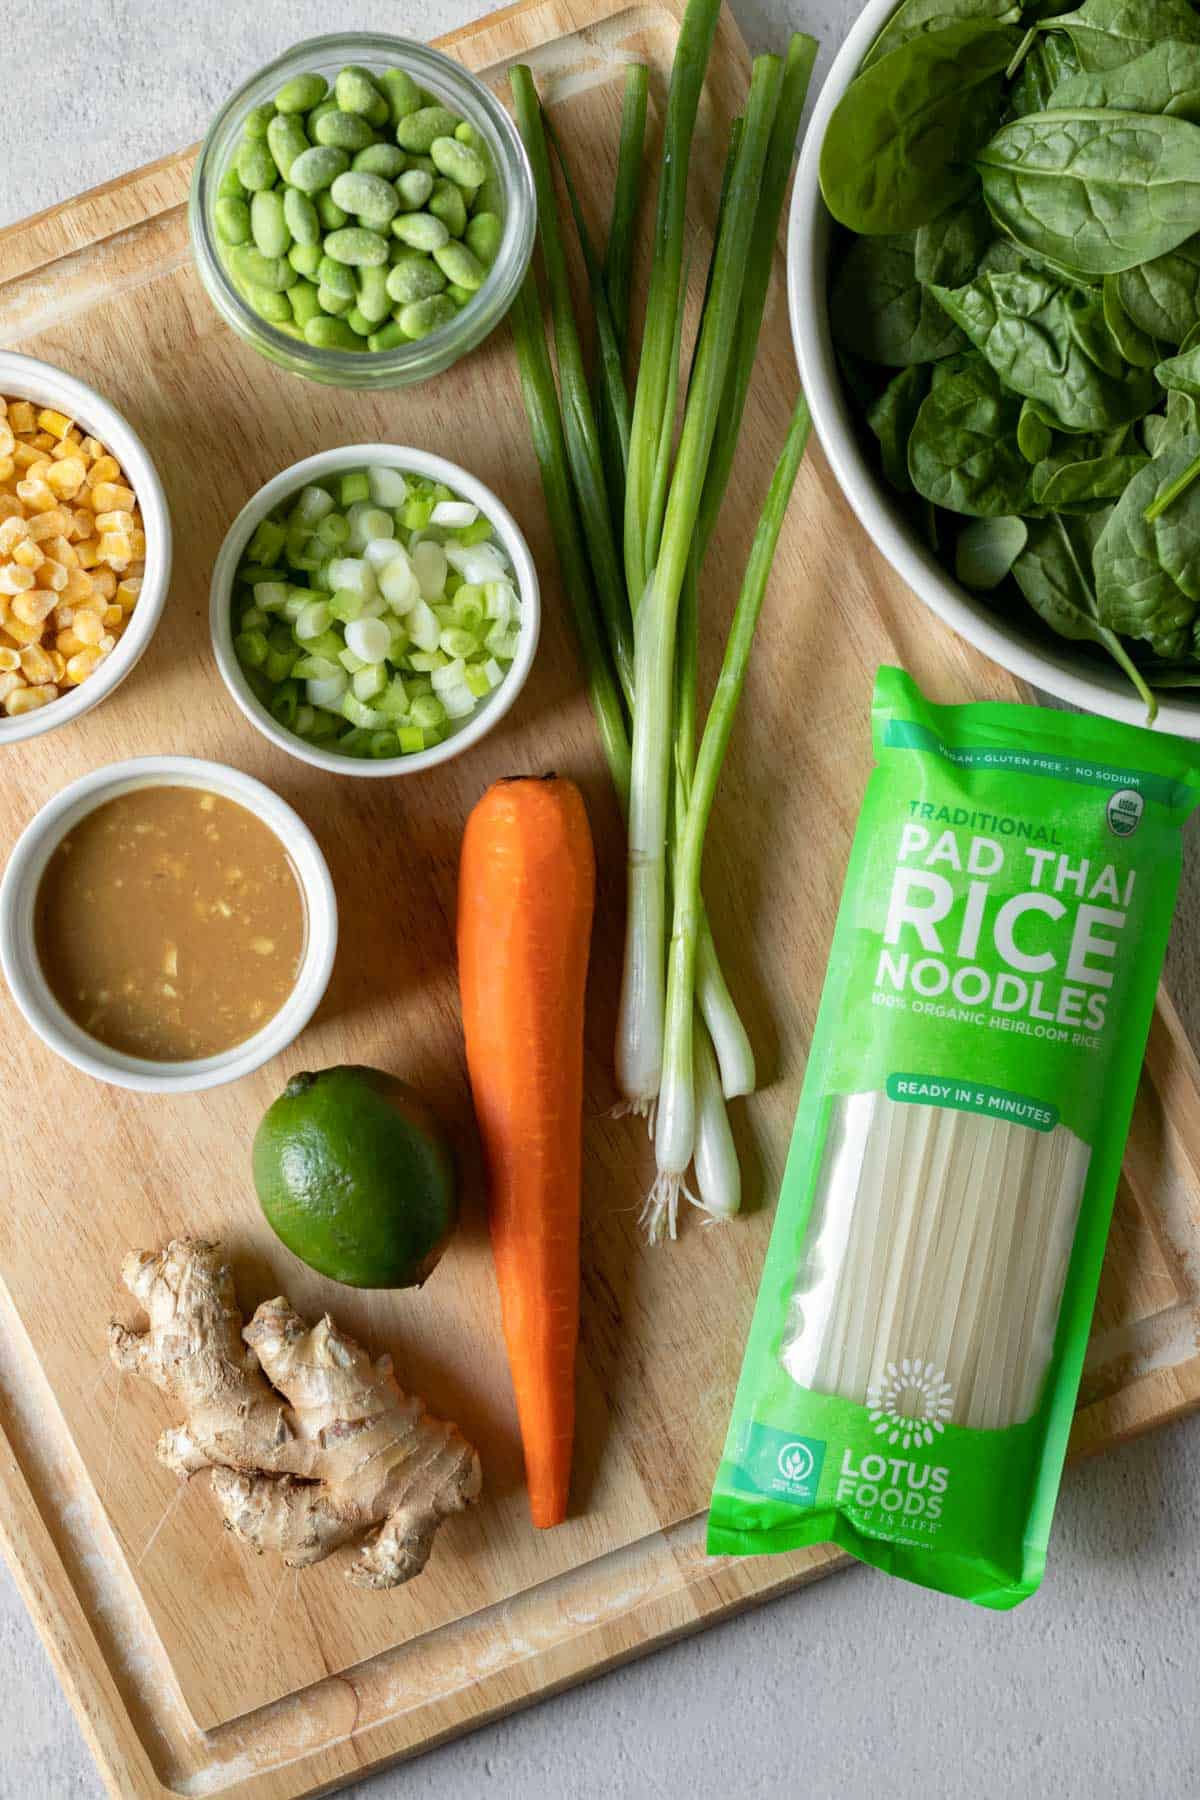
(167, 924)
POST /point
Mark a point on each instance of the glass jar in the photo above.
(465, 96)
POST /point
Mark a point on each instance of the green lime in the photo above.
(355, 1176)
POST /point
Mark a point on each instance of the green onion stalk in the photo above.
(640, 1016)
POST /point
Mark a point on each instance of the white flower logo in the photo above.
(795, 1462)
(911, 1402)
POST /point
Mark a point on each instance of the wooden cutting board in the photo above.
(192, 1664)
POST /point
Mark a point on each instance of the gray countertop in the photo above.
(858, 1686)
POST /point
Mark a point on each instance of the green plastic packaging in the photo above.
(911, 1373)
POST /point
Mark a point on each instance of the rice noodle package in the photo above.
(920, 1329)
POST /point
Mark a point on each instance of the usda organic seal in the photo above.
(1124, 812)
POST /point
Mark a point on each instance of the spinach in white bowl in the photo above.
(1014, 298)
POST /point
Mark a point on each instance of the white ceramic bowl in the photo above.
(18, 954)
(24, 378)
(318, 468)
(1044, 662)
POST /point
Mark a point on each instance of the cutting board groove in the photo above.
(194, 1667)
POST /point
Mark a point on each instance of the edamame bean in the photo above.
(328, 105)
(459, 295)
(305, 302)
(334, 304)
(484, 235)
(257, 120)
(286, 141)
(330, 213)
(374, 302)
(459, 266)
(305, 258)
(489, 198)
(324, 333)
(268, 226)
(338, 278)
(466, 133)
(403, 94)
(255, 166)
(231, 186)
(357, 246)
(458, 162)
(425, 163)
(257, 270)
(355, 89)
(269, 304)
(345, 130)
(420, 231)
(301, 216)
(357, 321)
(413, 189)
(369, 197)
(388, 337)
(416, 278)
(317, 167)
(301, 93)
(231, 217)
(380, 159)
(447, 204)
(424, 316)
(417, 130)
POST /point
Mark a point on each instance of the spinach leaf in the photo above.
(1098, 191)
(898, 148)
(1181, 374)
(1132, 343)
(881, 312)
(1161, 432)
(1061, 482)
(1109, 33)
(986, 550)
(1165, 79)
(948, 250)
(1050, 61)
(1035, 438)
(963, 452)
(892, 417)
(1162, 297)
(1148, 572)
(1050, 343)
(914, 17)
(1050, 574)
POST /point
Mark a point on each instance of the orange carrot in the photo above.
(526, 891)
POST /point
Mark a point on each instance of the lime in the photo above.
(355, 1176)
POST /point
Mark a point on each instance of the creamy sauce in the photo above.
(170, 924)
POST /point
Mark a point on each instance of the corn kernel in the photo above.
(92, 448)
(54, 422)
(69, 447)
(88, 553)
(87, 628)
(12, 530)
(67, 644)
(78, 587)
(36, 665)
(104, 468)
(81, 524)
(115, 549)
(53, 575)
(22, 634)
(54, 523)
(74, 436)
(14, 579)
(33, 607)
(43, 441)
(21, 416)
(137, 543)
(112, 617)
(35, 495)
(9, 660)
(65, 478)
(7, 440)
(26, 456)
(104, 584)
(83, 664)
(7, 468)
(58, 664)
(107, 496)
(10, 681)
(64, 616)
(114, 521)
(29, 699)
(129, 592)
(108, 643)
(28, 554)
(10, 506)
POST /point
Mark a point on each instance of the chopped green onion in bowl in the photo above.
(375, 613)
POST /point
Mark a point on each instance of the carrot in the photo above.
(526, 891)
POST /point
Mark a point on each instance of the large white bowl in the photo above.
(1061, 671)
(18, 949)
(24, 378)
(410, 462)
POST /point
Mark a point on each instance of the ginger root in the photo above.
(311, 1445)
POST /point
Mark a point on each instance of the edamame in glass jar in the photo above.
(362, 211)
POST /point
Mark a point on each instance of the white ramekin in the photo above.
(413, 462)
(18, 953)
(24, 378)
(1041, 662)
